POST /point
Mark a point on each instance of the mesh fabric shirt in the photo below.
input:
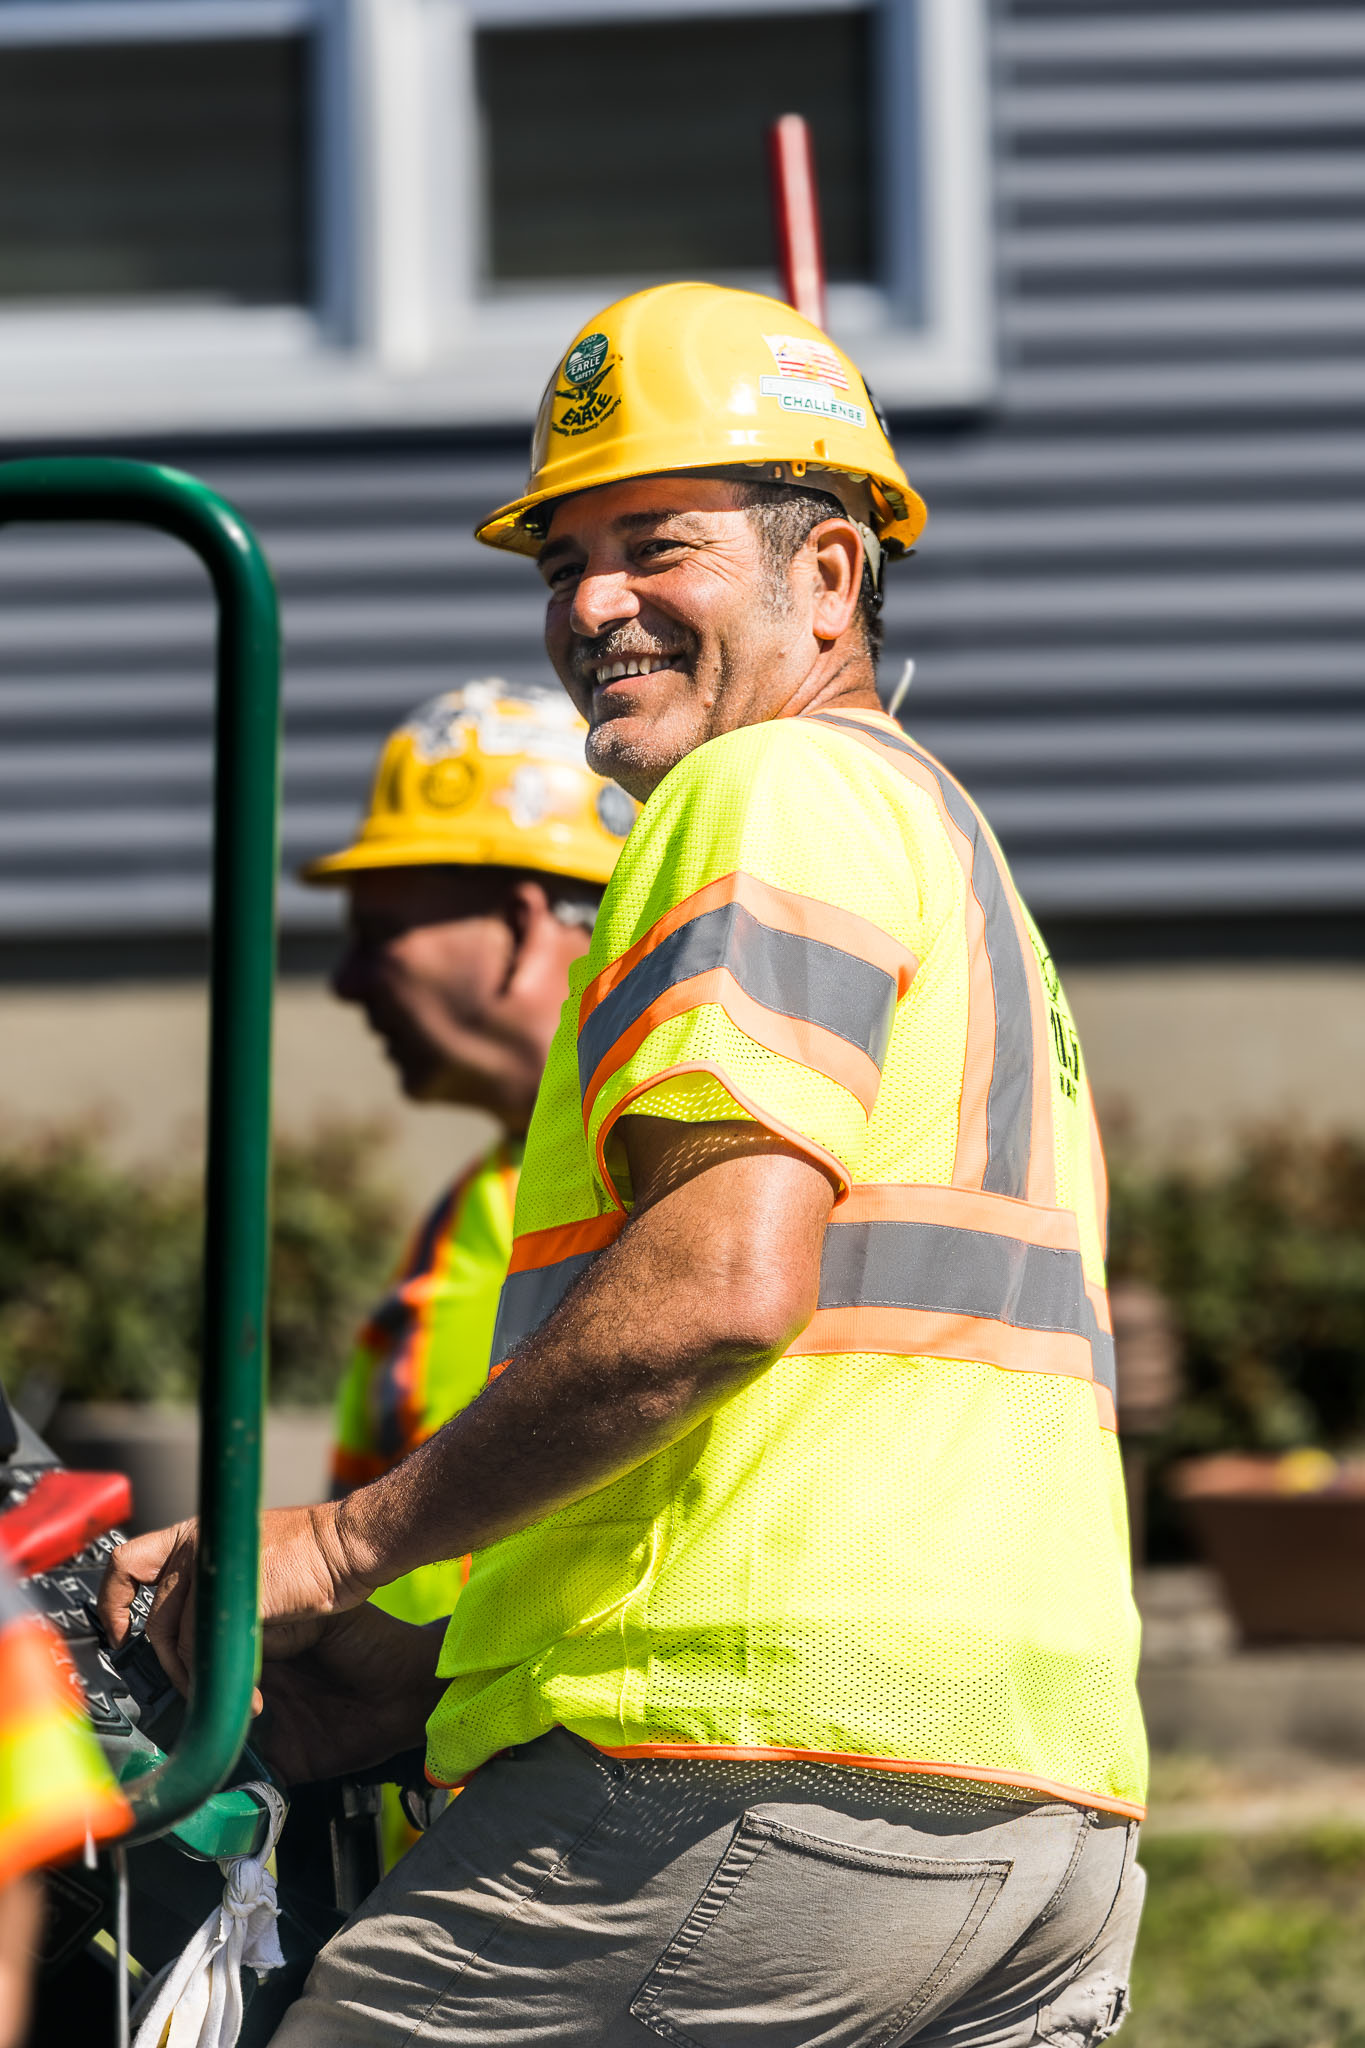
(422, 1355)
(904, 1545)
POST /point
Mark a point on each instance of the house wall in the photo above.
(1136, 615)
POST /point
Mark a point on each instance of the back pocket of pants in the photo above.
(803, 1942)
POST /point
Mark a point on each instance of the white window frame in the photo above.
(405, 331)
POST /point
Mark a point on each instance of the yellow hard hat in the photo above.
(490, 775)
(695, 376)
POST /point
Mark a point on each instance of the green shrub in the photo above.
(1251, 1942)
(1263, 1264)
(99, 1269)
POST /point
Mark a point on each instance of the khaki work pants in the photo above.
(573, 1901)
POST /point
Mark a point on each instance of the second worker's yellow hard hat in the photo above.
(696, 376)
(490, 775)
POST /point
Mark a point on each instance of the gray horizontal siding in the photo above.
(1138, 613)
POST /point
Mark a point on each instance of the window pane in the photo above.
(637, 149)
(137, 170)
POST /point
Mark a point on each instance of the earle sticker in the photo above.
(586, 398)
(582, 363)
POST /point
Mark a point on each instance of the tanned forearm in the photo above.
(666, 1325)
(713, 1276)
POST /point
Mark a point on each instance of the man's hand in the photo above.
(306, 1572)
(346, 1692)
(713, 1276)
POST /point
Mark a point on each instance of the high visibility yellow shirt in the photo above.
(423, 1354)
(56, 1790)
(904, 1546)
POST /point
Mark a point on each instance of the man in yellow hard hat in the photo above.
(796, 1666)
(472, 886)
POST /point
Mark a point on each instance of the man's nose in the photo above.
(602, 598)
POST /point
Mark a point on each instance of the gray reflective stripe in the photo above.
(528, 1298)
(1102, 1355)
(1009, 1102)
(941, 1269)
(796, 977)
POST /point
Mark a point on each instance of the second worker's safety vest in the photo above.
(422, 1355)
(904, 1545)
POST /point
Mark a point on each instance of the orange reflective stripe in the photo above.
(826, 1161)
(1099, 1173)
(544, 1266)
(792, 1038)
(963, 1209)
(968, 1340)
(803, 917)
(931, 1333)
(959, 1274)
(1042, 1157)
(1047, 1788)
(404, 1383)
(1001, 957)
(973, 1152)
(536, 1248)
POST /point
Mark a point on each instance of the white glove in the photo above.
(196, 2001)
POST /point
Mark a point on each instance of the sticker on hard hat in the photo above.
(795, 396)
(797, 355)
(587, 401)
(582, 364)
(615, 810)
(450, 784)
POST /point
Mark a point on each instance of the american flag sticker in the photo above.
(797, 356)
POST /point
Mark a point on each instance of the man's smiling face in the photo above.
(664, 622)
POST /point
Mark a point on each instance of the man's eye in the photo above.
(559, 578)
(651, 550)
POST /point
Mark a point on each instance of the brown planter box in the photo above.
(1292, 1564)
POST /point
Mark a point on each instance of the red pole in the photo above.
(796, 216)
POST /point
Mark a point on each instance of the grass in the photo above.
(1252, 1941)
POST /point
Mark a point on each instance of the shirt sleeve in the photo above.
(759, 932)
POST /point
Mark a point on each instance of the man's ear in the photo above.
(836, 548)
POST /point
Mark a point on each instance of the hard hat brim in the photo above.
(333, 870)
(899, 526)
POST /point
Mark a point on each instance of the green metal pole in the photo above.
(237, 1175)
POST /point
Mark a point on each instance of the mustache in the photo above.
(623, 643)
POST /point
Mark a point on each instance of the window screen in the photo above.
(637, 148)
(154, 169)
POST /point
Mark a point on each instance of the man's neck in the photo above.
(841, 681)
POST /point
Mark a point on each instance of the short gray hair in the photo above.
(785, 516)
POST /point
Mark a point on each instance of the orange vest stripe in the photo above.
(794, 1038)
(801, 917)
(1005, 954)
(537, 1248)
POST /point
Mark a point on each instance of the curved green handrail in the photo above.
(245, 865)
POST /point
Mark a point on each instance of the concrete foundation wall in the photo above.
(132, 1060)
(1186, 1056)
